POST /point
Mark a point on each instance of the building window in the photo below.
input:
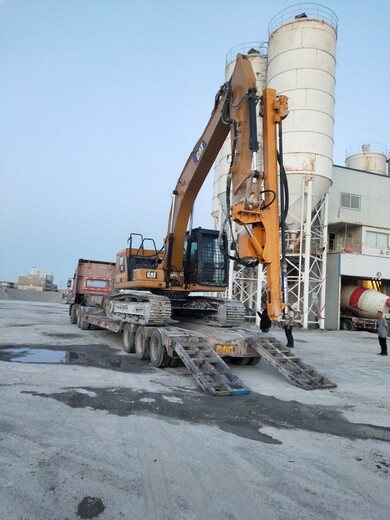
(332, 241)
(350, 201)
(374, 239)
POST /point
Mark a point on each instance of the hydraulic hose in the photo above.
(284, 205)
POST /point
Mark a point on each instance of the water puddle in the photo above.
(36, 355)
(94, 355)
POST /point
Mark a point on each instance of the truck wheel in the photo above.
(128, 338)
(158, 353)
(141, 344)
(82, 323)
(254, 360)
(347, 324)
(73, 315)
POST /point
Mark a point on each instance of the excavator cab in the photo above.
(143, 255)
(204, 263)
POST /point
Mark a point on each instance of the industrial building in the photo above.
(338, 224)
(37, 280)
(359, 227)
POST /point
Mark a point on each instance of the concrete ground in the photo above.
(96, 433)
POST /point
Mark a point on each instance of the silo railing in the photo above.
(245, 48)
(305, 11)
(356, 149)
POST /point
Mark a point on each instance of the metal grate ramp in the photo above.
(207, 367)
(288, 364)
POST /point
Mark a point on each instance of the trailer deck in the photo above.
(204, 350)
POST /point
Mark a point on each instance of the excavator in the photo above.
(196, 260)
(156, 302)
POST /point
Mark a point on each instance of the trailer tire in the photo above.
(128, 338)
(254, 361)
(239, 360)
(175, 362)
(158, 353)
(141, 344)
(73, 315)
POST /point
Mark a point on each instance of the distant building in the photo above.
(8, 285)
(37, 280)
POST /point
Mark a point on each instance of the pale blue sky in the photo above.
(101, 102)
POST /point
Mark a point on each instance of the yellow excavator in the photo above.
(156, 303)
(156, 285)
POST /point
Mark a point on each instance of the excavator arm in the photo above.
(254, 194)
(252, 201)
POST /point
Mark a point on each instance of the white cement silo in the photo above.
(257, 56)
(371, 158)
(301, 65)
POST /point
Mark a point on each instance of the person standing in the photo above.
(288, 326)
(383, 330)
(265, 322)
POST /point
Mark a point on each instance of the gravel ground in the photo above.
(88, 431)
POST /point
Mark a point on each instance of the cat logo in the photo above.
(151, 275)
(199, 151)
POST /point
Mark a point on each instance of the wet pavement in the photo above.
(89, 431)
(245, 416)
(94, 355)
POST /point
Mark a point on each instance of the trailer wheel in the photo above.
(239, 360)
(254, 360)
(158, 353)
(175, 362)
(141, 344)
(128, 338)
(73, 315)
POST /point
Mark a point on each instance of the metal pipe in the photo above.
(254, 164)
(231, 267)
(248, 230)
(231, 279)
(260, 281)
(173, 207)
(306, 273)
(324, 262)
(171, 238)
(301, 244)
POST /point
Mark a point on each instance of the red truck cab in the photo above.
(92, 281)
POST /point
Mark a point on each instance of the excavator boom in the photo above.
(252, 198)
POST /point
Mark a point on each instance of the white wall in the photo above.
(374, 215)
(374, 192)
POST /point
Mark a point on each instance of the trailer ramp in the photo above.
(287, 362)
(207, 367)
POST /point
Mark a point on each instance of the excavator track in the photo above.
(209, 311)
(140, 307)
